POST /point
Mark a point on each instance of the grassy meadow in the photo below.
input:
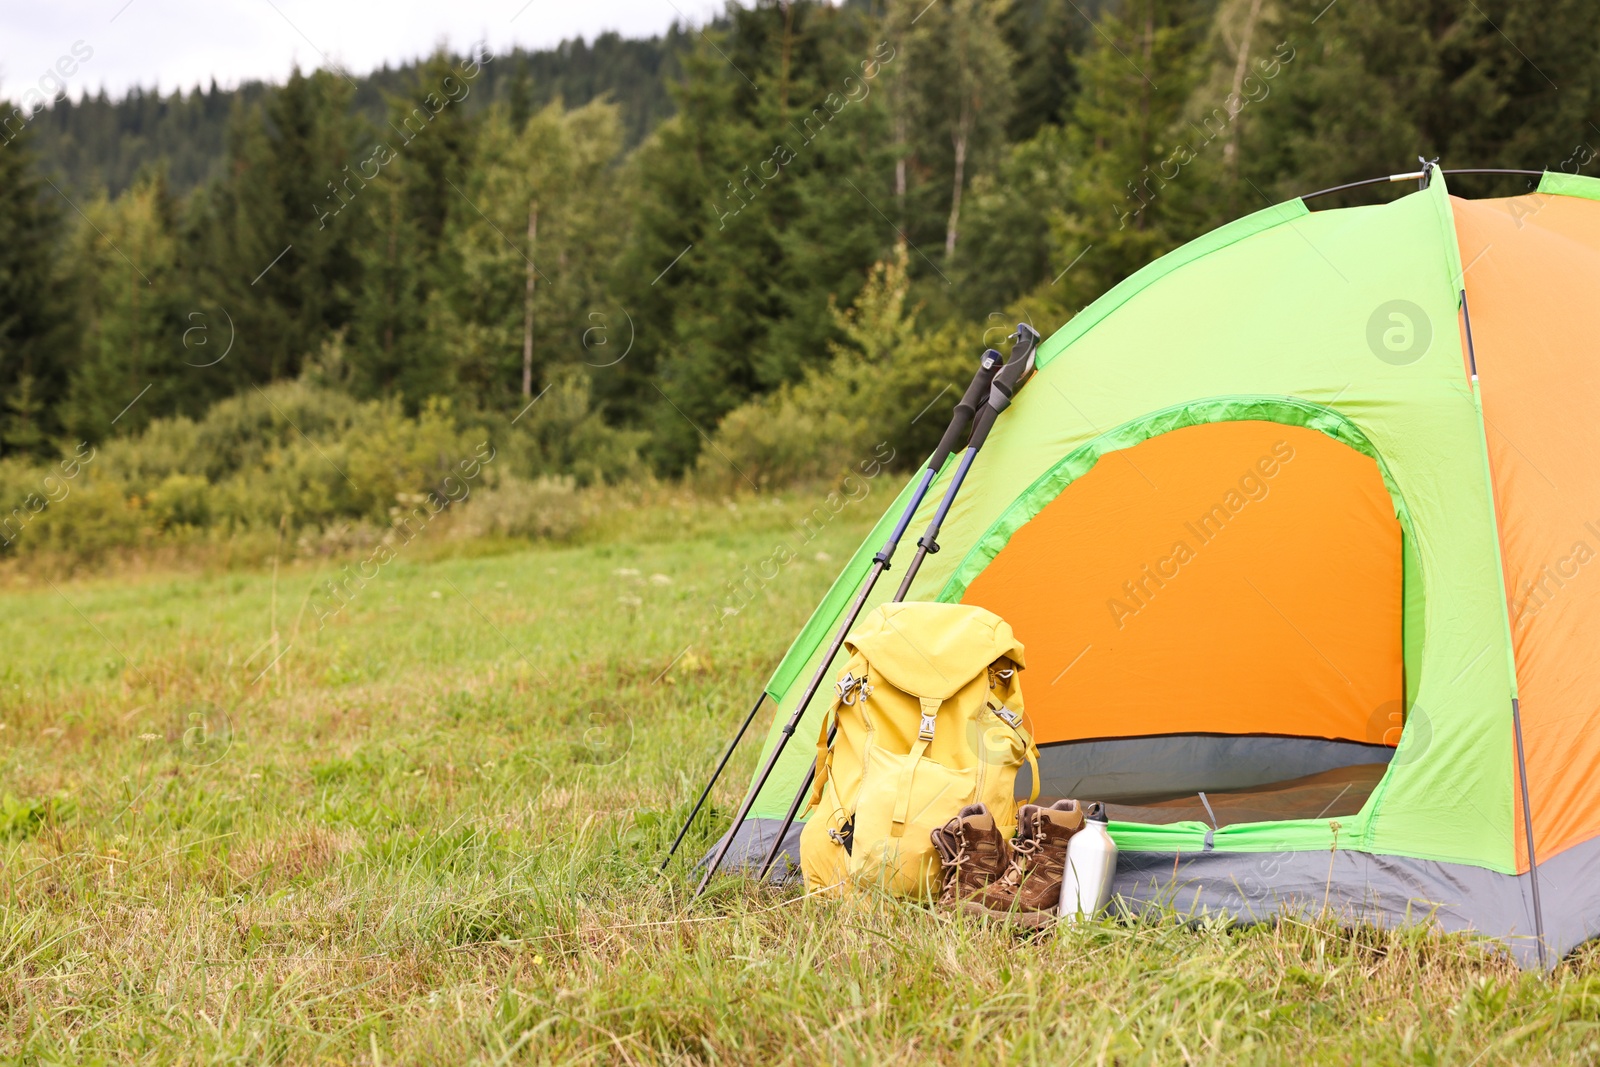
(427, 831)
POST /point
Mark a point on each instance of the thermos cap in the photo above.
(1096, 812)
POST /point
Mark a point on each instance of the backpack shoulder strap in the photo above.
(902, 803)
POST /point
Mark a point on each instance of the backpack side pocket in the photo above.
(824, 860)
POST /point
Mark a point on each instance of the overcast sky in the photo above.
(177, 44)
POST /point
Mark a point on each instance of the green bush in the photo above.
(334, 470)
(181, 500)
(336, 473)
(562, 433)
(548, 508)
(98, 515)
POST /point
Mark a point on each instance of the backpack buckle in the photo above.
(852, 689)
(1011, 718)
(925, 729)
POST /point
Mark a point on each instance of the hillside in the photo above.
(99, 142)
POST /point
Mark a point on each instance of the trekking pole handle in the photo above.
(967, 407)
(1007, 383)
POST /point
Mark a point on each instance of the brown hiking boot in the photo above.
(1031, 887)
(973, 853)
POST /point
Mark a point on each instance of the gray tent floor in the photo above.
(1332, 794)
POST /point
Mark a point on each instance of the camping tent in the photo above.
(1300, 528)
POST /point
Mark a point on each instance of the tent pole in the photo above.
(1018, 369)
(1414, 175)
(963, 415)
(1516, 704)
(1527, 827)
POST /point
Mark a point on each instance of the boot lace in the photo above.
(952, 870)
(1022, 852)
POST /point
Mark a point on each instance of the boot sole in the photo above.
(1032, 920)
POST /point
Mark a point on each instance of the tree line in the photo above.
(673, 231)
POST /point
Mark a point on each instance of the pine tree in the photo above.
(22, 424)
(138, 344)
(1046, 37)
(274, 242)
(418, 172)
(758, 201)
(388, 336)
(1142, 150)
(36, 328)
(1374, 84)
(520, 96)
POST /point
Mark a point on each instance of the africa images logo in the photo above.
(1399, 333)
(1393, 720)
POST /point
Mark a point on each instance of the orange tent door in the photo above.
(1237, 578)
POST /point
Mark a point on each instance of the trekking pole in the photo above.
(1006, 385)
(966, 409)
(721, 766)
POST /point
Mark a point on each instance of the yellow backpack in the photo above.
(929, 711)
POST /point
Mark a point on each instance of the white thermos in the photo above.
(1091, 865)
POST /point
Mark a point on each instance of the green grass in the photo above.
(428, 832)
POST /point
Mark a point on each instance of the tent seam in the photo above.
(1560, 183)
(1453, 254)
